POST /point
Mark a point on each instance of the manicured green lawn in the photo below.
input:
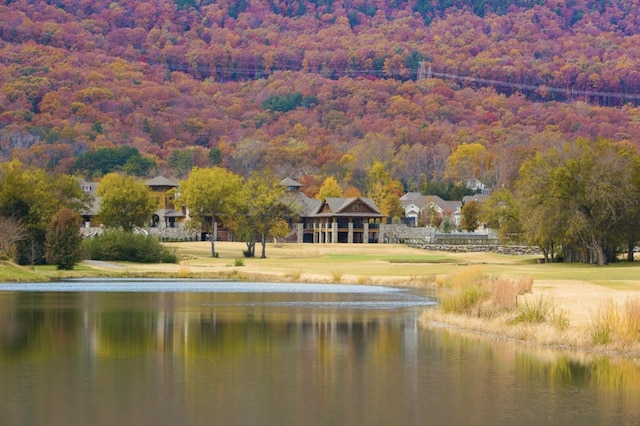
(342, 262)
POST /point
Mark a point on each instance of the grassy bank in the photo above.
(598, 316)
(569, 305)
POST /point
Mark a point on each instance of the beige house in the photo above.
(162, 188)
(415, 204)
(167, 214)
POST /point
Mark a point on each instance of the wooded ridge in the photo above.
(315, 88)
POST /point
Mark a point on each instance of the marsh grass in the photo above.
(467, 300)
(336, 277)
(183, 272)
(541, 310)
(472, 291)
(534, 311)
(524, 284)
(504, 293)
(616, 324)
(238, 262)
(294, 275)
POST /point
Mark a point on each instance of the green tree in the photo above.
(470, 219)
(125, 202)
(215, 156)
(580, 197)
(63, 239)
(32, 197)
(209, 194)
(266, 205)
(181, 162)
(106, 160)
(500, 212)
(329, 188)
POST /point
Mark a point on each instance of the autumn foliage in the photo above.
(316, 88)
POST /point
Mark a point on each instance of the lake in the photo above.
(173, 352)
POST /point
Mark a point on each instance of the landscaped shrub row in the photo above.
(118, 245)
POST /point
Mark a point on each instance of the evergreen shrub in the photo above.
(124, 246)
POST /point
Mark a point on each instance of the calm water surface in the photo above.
(114, 352)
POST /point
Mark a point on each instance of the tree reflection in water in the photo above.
(286, 358)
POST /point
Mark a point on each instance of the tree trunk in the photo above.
(263, 241)
(630, 246)
(214, 236)
(601, 252)
(251, 248)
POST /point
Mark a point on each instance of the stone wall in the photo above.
(487, 248)
(163, 234)
(425, 238)
(405, 234)
(174, 234)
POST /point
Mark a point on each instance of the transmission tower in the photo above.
(424, 72)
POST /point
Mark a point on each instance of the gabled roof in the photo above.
(414, 198)
(334, 206)
(288, 182)
(162, 181)
(307, 204)
(445, 206)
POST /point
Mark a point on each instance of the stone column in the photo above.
(315, 233)
(365, 233)
(350, 237)
(334, 232)
(300, 232)
(326, 232)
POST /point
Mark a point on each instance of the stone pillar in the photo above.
(300, 232)
(350, 237)
(315, 233)
(326, 232)
(381, 233)
(365, 233)
(334, 232)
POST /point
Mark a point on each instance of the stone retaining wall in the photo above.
(488, 248)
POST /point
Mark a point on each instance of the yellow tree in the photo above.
(210, 194)
(468, 161)
(329, 188)
(125, 202)
(384, 190)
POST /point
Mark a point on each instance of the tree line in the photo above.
(577, 202)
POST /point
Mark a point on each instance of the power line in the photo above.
(420, 74)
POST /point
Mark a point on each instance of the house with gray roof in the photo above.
(336, 219)
(415, 204)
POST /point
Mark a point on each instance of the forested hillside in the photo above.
(316, 88)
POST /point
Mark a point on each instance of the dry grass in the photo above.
(504, 293)
(617, 324)
(474, 300)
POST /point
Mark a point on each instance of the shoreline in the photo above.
(580, 301)
(578, 291)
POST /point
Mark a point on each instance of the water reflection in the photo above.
(282, 358)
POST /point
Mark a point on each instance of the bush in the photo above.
(536, 311)
(119, 245)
